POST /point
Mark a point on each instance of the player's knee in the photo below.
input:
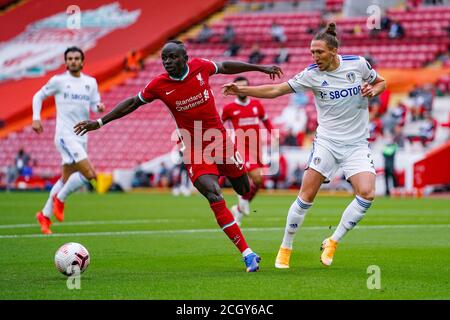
(90, 175)
(368, 194)
(213, 196)
(307, 196)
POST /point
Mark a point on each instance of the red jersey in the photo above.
(247, 117)
(189, 98)
(244, 115)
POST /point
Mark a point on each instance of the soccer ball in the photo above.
(72, 258)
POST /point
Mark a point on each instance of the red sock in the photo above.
(226, 221)
(252, 193)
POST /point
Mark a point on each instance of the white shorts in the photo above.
(71, 150)
(327, 157)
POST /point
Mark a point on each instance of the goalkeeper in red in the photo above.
(247, 115)
(208, 151)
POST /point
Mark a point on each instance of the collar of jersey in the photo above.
(70, 75)
(239, 102)
(182, 77)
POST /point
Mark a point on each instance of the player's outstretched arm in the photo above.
(122, 109)
(233, 67)
(264, 91)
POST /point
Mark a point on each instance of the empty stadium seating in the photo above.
(146, 133)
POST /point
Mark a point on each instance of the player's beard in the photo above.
(74, 70)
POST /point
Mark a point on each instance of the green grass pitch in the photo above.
(155, 246)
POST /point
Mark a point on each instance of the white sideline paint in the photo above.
(86, 223)
(181, 231)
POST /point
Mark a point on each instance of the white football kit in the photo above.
(343, 116)
(74, 96)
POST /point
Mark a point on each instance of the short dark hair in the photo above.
(241, 78)
(73, 49)
(329, 35)
(178, 43)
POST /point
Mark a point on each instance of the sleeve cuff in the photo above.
(142, 99)
(292, 87)
(216, 67)
(370, 82)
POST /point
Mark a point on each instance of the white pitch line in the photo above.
(86, 223)
(181, 231)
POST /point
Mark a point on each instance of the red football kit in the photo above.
(190, 100)
(246, 118)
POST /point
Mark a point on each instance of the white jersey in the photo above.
(74, 96)
(342, 112)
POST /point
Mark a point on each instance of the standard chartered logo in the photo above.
(191, 102)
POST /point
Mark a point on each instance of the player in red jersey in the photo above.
(246, 115)
(185, 90)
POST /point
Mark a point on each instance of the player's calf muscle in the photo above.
(308, 192)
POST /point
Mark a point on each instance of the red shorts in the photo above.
(227, 170)
(229, 163)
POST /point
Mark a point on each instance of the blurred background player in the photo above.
(75, 93)
(134, 61)
(182, 184)
(246, 115)
(389, 150)
(185, 90)
(341, 87)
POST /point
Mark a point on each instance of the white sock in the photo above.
(48, 208)
(294, 221)
(75, 181)
(243, 205)
(352, 215)
(239, 216)
(246, 252)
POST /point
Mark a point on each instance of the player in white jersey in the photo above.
(341, 86)
(75, 94)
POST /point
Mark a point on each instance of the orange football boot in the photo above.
(328, 248)
(283, 257)
(58, 208)
(44, 222)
